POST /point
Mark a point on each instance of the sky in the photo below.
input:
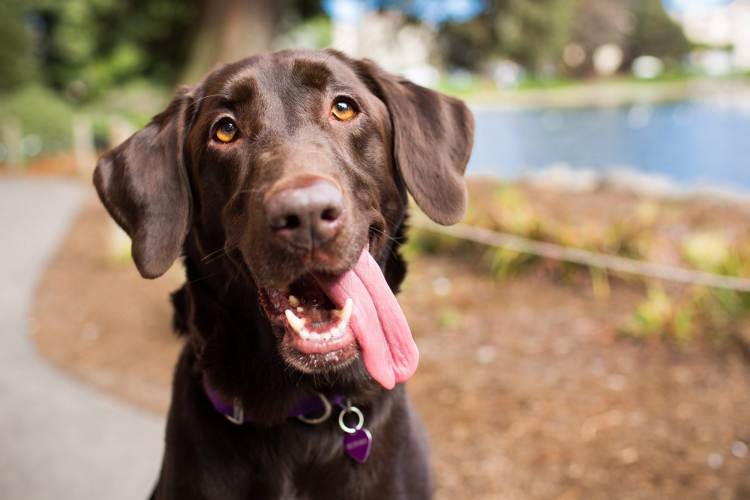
(678, 5)
(433, 11)
(438, 11)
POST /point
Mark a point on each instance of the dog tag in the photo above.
(358, 444)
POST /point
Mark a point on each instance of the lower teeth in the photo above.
(299, 324)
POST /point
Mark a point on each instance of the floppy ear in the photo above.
(143, 184)
(432, 139)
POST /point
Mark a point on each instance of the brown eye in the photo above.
(225, 131)
(343, 110)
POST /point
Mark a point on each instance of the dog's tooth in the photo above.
(297, 324)
(300, 309)
(293, 301)
(346, 313)
(335, 331)
(305, 334)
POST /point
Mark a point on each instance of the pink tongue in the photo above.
(378, 323)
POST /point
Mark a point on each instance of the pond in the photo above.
(693, 144)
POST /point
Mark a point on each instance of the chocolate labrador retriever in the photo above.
(282, 181)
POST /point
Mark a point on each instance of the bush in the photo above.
(137, 102)
(17, 56)
(44, 119)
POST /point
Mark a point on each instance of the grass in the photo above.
(564, 92)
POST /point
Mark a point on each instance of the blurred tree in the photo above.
(94, 44)
(230, 30)
(87, 46)
(596, 23)
(532, 34)
(655, 34)
(17, 57)
(535, 33)
(468, 44)
(638, 27)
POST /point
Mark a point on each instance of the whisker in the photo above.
(388, 236)
(203, 278)
(209, 255)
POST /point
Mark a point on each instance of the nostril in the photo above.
(291, 222)
(285, 221)
(331, 214)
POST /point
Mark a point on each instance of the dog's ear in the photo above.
(143, 184)
(432, 139)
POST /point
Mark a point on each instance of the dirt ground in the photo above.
(61, 164)
(526, 389)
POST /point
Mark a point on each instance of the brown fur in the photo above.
(175, 191)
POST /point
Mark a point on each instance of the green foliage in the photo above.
(655, 33)
(40, 112)
(468, 44)
(719, 313)
(680, 314)
(515, 214)
(534, 33)
(505, 263)
(313, 33)
(17, 56)
(85, 47)
(461, 86)
(430, 243)
(506, 208)
(303, 9)
(653, 315)
(101, 43)
(710, 252)
(531, 33)
(137, 102)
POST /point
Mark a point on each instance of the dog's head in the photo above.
(297, 164)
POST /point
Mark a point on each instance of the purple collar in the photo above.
(312, 409)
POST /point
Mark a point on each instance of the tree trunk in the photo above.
(231, 30)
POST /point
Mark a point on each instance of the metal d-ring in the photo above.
(238, 412)
(360, 419)
(318, 420)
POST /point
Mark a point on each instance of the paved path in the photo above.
(58, 439)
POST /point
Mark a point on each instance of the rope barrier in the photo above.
(587, 258)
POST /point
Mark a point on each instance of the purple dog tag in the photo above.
(358, 445)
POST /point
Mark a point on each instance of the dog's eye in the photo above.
(343, 110)
(225, 131)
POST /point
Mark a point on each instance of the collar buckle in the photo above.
(327, 409)
(238, 413)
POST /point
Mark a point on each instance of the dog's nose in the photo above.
(306, 216)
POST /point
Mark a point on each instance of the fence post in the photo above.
(11, 137)
(119, 130)
(83, 145)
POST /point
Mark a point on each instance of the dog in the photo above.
(282, 181)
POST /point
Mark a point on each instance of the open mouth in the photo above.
(329, 320)
(317, 333)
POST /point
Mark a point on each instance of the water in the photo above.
(693, 144)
